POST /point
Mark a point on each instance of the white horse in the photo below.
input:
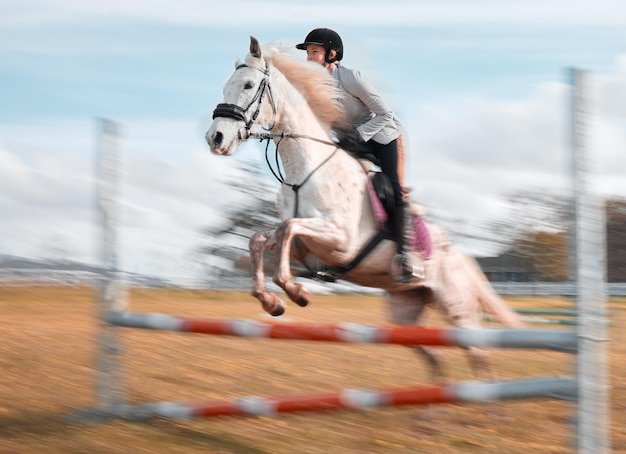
(324, 204)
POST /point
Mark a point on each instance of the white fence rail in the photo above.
(41, 277)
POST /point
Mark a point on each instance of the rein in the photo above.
(278, 174)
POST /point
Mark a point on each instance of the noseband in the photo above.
(238, 113)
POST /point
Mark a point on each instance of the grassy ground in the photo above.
(47, 372)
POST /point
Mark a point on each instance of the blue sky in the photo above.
(479, 84)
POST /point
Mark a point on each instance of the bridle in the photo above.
(236, 112)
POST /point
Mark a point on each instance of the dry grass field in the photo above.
(47, 373)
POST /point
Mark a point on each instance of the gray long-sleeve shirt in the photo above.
(365, 108)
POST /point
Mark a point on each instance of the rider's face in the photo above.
(315, 53)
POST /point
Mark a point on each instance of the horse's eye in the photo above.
(248, 86)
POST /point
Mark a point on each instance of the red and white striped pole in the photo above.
(361, 399)
(558, 340)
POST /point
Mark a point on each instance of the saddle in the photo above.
(383, 204)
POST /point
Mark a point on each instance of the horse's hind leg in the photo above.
(405, 309)
(480, 363)
(270, 301)
(461, 306)
(432, 358)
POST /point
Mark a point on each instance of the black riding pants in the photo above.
(387, 155)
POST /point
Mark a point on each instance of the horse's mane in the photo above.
(313, 81)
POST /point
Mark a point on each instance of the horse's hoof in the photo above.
(302, 299)
(272, 304)
(280, 310)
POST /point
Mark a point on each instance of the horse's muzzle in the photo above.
(214, 139)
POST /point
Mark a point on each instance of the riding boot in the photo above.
(402, 267)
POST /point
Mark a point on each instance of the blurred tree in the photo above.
(533, 230)
(255, 211)
(536, 228)
(534, 210)
(525, 211)
(616, 239)
(547, 252)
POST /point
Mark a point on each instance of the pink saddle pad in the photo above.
(421, 237)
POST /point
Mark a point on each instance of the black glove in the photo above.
(350, 140)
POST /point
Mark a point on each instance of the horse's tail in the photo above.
(490, 301)
(464, 287)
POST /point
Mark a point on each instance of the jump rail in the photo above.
(560, 312)
(557, 340)
(357, 399)
(540, 320)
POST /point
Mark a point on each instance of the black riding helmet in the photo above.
(327, 38)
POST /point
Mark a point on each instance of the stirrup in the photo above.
(404, 270)
(325, 276)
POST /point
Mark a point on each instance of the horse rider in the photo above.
(374, 127)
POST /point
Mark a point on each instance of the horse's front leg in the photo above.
(325, 235)
(270, 301)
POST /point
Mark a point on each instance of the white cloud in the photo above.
(48, 202)
(45, 199)
(467, 157)
(610, 90)
(215, 13)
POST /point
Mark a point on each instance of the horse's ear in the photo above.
(255, 47)
(238, 62)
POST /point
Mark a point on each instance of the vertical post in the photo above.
(110, 393)
(590, 272)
